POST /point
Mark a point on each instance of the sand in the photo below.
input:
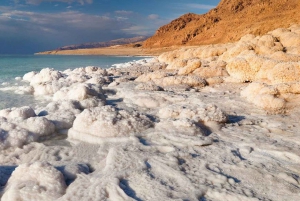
(119, 50)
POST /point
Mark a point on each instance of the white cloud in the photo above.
(153, 17)
(123, 12)
(200, 6)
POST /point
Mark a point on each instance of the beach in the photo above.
(215, 122)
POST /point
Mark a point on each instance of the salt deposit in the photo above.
(216, 122)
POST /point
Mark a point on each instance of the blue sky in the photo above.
(28, 26)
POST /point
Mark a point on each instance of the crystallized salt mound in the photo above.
(192, 65)
(79, 92)
(208, 72)
(148, 86)
(285, 72)
(190, 80)
(244, 69)
(20, 126)
(19, 113)
(273, 98)
(179, 132)
(37, 181)
(287, 37)
(62, 114)
(153, 76)
(195, 112)
(264, 96)
(45, 75)
(182, 126)
(40, 126)
(49, 81)
(98, 123)
(12, 135)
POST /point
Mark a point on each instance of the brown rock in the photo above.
(228, 22)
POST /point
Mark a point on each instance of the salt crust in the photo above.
(272, 59)
(79, 84)
(41, 181)
(94, 124)
(134, 158)
(20, 126)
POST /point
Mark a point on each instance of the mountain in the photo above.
(228, 22)
(121, 41)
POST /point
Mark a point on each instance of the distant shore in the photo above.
(112, 51)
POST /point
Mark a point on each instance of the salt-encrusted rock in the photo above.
(25, 90)
(70, 171)
(191, 80)
(153, 76)
(95, 124)
(180, 133)
(182, 126)
(95, 70)
(190, 67)
(40, 126)
(62, 114)
(264, 96)
(177, 64)
(286, 37)
(28, 76)
(244, 68)
(45, 75)
(285, 73)
(213, 71)
(149, 86)
(36, 181)
(18, 113)
(268, 44)
(195, 112)
(79, 92)
(89, 70)
(236, 50)
(97, 79)
(178, 87)
(12, 135)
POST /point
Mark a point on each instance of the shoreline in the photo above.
(112, 51)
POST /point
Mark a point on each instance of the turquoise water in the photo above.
(12, 66)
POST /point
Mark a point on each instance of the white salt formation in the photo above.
(216, 122)
(272, 59)
(37, 181)
(96, 124)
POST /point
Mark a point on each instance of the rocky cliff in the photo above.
(228, 22)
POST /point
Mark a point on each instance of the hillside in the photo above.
(228, 22)
(120, 41)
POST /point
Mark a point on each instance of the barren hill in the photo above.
(228, 22)
(120, 41)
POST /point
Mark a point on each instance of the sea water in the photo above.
(14, 66)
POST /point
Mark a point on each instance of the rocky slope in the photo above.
(228, 22)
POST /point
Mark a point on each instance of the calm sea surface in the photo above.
(12, 66)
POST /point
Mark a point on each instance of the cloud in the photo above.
(44, 31)
(123, 12)
(153, 17)
(200, 6)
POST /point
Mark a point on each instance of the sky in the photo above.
(29, 26)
